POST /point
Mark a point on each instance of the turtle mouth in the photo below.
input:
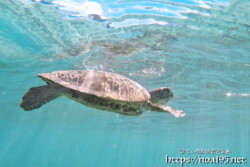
(172, 95)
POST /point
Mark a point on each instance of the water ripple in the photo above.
(124, 8)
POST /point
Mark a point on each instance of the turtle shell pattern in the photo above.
(99, 83)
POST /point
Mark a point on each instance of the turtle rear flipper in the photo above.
(38, 96)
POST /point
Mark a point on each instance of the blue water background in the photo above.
(198, 48)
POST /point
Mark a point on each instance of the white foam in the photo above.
(82, 8)
(133, 22)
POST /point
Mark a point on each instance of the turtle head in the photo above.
(161, 95)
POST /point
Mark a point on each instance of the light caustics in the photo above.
(231, 94)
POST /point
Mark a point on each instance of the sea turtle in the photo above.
(101, 90)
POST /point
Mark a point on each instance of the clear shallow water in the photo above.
(198, 48)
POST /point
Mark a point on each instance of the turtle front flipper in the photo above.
(161, 95)
(162, 108)
(38, 96)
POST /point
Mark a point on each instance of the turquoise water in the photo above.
(198, 48)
